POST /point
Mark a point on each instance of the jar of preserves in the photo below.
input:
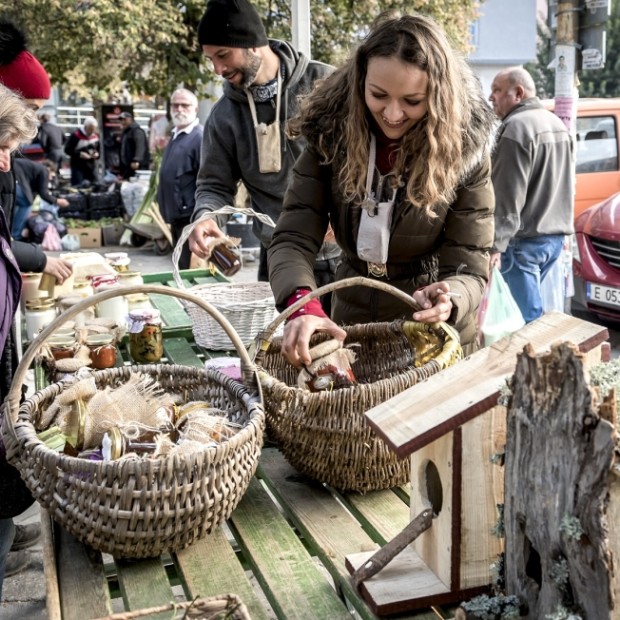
(62, 346)
(39, 314)
(83, 317)
(139, 301)
(146, 344)
(115, 308)
(119, 261)
(102, 350)
(83, 288)
(30, 288)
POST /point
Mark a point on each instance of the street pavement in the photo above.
(24, 594)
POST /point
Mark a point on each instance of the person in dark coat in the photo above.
(51, 138)
(23, 74)
(179, 167)
(134, 147)
(83, 148)
(32, 180)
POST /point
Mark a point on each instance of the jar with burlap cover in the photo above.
(324, 434)
(141, 507)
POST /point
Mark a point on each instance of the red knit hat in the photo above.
(19, 69)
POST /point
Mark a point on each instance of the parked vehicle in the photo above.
(597, 164)
(596, 259)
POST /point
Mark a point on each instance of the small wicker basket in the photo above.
(325, 435)
(248, 306)
(223, 607)
(139, 507)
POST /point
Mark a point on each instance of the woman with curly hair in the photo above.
(398, 163)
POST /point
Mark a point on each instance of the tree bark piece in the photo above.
(388, 552)
(559, 453)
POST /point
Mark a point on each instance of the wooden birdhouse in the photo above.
(451, 427)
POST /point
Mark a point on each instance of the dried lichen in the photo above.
(559, 573)
(498, 575)
(498, 529)
(505, 393)
(606, 376)
(571, 526)
(498, 458)
(493, 608)
(561, 613)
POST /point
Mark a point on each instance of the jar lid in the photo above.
(31, 276)
(40, 303)
(61, 340)
(140, 317)
(128, 274)
(98, 340)
(81, 284)
(137, 298)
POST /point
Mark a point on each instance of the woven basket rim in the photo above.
(67, 463)
(269, 381)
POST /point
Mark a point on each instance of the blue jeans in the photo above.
(21, 211)
(7, 533)
(524, 264)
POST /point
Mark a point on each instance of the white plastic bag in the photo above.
(499, 314)
(70, 243)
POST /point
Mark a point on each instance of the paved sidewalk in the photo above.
(24, 593)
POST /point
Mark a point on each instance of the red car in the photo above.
(596, 259)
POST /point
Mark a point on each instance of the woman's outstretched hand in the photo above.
(435, 302)
(297, 334)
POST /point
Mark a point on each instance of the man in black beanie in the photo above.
(244, 138)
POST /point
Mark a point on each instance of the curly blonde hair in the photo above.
(18, 122)
(434, 155)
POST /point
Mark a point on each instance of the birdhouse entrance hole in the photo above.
(434, 489)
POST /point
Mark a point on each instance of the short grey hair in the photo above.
(518, 76)
(187, 93)
(90, 121)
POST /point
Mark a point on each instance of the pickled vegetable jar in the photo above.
(145, 336)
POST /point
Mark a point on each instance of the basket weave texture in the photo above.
(249, 307)
(324, 435)
(223, 607)
(139, 507)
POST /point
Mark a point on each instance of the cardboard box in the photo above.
(89, 237)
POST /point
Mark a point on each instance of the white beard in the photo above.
(183, 119)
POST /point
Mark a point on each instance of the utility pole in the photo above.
(566, 80)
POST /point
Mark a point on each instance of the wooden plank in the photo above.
(144, 584)
(180, 351)
(448, 399)
(294, 586)
(210, 567)
(330, 530)
(172, 312)
(383, 514)
(52, 592)
(83, 587)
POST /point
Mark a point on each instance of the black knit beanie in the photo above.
(231, 23)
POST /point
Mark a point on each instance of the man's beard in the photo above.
(249, 71)
(182, 119)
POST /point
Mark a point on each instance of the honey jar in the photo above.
(40, 312)
(145, 336)
(102, 350)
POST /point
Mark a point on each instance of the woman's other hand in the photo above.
(58, 268)
(435, 302)
(297, 333)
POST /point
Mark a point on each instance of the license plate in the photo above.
(603, 295)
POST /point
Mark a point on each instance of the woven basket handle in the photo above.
(209, 215)
(263, 339)
(248, 370)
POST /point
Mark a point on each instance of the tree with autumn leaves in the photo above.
(96, 47)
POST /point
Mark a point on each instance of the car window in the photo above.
(597, 148)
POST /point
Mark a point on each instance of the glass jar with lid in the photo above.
(39, 314)
(145, 336)
(30, 288)
(102, 350)
(71, 300)
(139, 301)
(83, 288)
(62, 346)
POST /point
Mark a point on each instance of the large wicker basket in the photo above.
(324, 435)
(140, 507)
(249, 306)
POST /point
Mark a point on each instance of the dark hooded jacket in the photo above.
(229, 149)
(454, 246)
